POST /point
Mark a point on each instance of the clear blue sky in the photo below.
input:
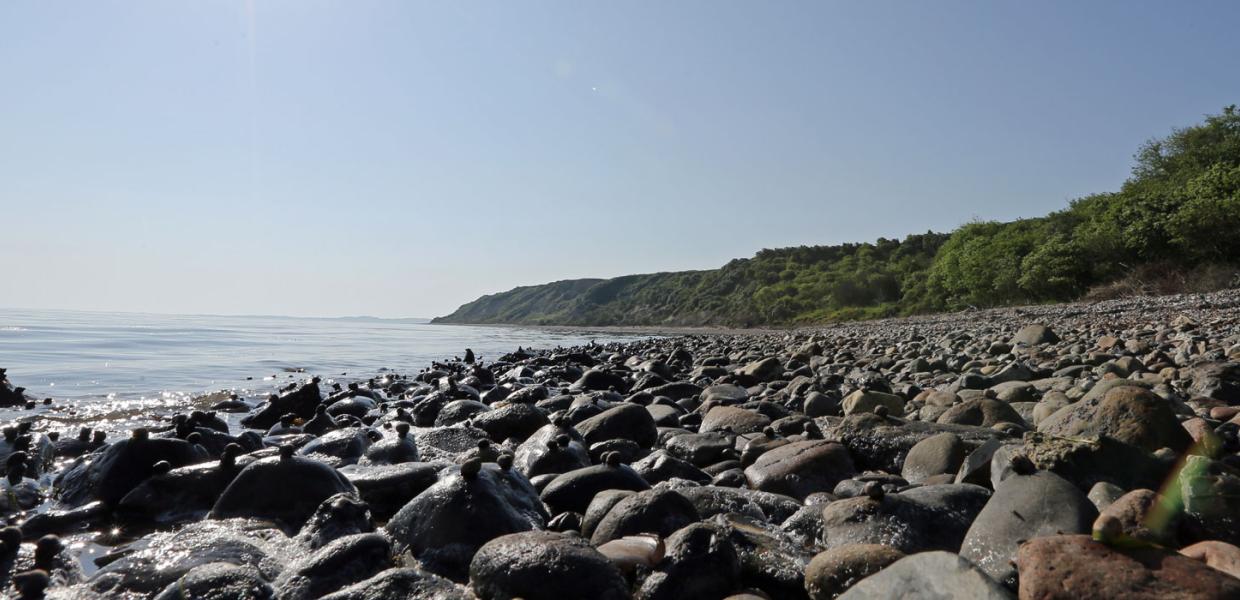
(400, 158)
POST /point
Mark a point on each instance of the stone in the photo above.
(448, 522)
(626, 421)
(219, 581)
(765, 369)
(928, 576)
(833, 571)
(801, 468)
(1129, 414)
(866, 401)
(937, 454)
(286, 488)
(573, 491)
(404, 583)
(1217, 555)
(1103, 493)
(1218, 380)
(771, 560)
(543, 565)
(1139, 516)
(981, 412)
(1022, 508)
(1034, 335)
(925, 518)
(633, 553)
(699, 562)
(818, 404)
(725, 393)
(342, 562)
(1075, 567)
(737, 420)
(659, 511)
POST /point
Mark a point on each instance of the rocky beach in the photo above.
(1087, 450)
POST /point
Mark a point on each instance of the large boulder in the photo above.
(512, 420)
(1140, 516)
(1217, 380)
(1130, 414)
(1035, 334)
(725, 393)
(1075, 567)
(981, 412)
(928, 576)
(626, 421)
(146, 568)
(597, 380)
(711, 500)
(935, 455)
(734, 418)
(543, 565)
(448, 522)
(1022, 508)
(111, 475)
(404, 583)
(219, 581)
(865, 401)
(286, 488)
(801, 468)
(764, 369)
(661, 466)
(834, 571)
(342, 562)
(660, 511)
(771, 560)
(551, 449)
(301, 401)
(184, 493)
(699, 562)
(882, 443)
(1088, 461)
(934, 517)
(573, 491)
(386, 488)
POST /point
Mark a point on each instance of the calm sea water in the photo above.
(116, 370)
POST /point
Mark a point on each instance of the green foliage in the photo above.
(1206, 227)
(1181, 207)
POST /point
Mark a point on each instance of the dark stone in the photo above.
(538, 565)
(658, 511)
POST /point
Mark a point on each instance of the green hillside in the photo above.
(1174, 225)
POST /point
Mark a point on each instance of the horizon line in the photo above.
(420, 320)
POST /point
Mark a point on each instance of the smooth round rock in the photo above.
(832, 572)
(543, 565)
(699, 562)
(1022, 508)
(448, 522)
(1075, 567)
(801, 468)
(1130, 414)
(928, 575)
(659, 511)
(288, 489)
(935, 455)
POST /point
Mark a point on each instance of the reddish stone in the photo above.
(1074, 567)
(1218, 555)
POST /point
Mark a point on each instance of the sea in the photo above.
(115, 371)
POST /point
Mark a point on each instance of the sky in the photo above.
(399, 158)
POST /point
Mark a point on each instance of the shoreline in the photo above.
(914, 440)
(1217, 300)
